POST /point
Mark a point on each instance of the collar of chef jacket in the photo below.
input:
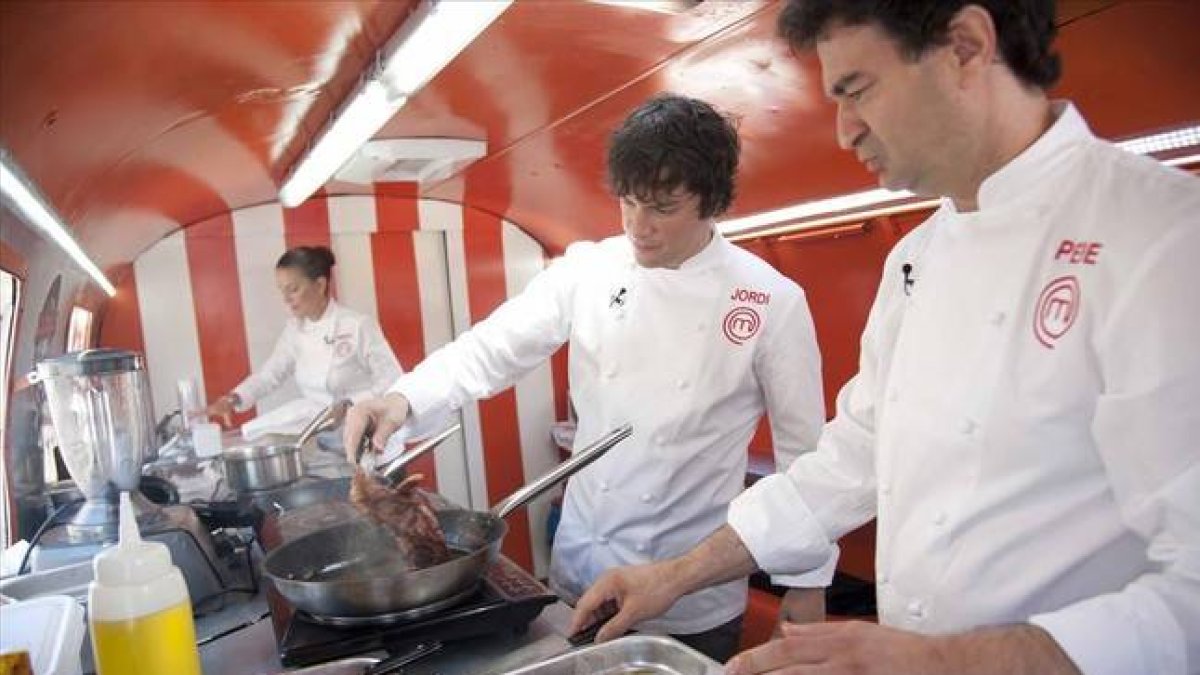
(1027, 172)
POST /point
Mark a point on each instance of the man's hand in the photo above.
(857, 648)
(385, 415)
(640, 592)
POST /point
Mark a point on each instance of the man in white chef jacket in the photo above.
(1025, 422)
(672, 329)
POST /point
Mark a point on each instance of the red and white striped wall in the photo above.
(206, 302)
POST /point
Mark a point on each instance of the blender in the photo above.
(99, 401)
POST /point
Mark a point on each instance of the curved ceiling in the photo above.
(138, 118)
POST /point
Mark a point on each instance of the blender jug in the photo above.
(99, 402)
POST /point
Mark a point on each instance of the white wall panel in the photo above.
(168, 321)
(258, 240)
(523, 260)
(351, 223)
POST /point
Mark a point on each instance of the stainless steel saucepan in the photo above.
(263, 466)
(352, 573)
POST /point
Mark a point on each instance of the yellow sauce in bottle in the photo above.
(161, 643)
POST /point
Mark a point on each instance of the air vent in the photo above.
(410, 159)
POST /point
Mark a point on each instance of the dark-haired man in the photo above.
(672, 329)
(1025, 418)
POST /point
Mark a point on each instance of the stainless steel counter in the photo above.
(251, 650)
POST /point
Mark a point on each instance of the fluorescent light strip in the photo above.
(658, 6)
(1168, 140)
(1185, 160)
(820, 207)
(367, 112)
(429, 40)
(857, 205)
(39, 214)
(839, 219)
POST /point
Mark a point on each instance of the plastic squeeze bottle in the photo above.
(139, 611)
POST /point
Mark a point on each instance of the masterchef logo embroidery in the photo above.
(1056, 310)
(741, 323)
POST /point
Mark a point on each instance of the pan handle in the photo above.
(562, 471)
(325, 420)
(393, 471)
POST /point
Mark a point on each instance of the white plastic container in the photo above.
(139, 611)
(206, 438)
(50, 628)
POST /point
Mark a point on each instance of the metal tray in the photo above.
(631, 655)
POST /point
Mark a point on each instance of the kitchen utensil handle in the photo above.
(364, 444)
(558, 473)
(397, 663)
(324, 421)
(394, 470)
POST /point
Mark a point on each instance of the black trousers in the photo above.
(719, 644)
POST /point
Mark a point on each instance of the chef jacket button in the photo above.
(700, 328)
(939, 518)
(892, 395)
(684, 384)
(884, 579)
(604, 486)
(967, 426)
(603, 541)
(916, 609)
(885, 489)
(641, 548)
(659, 441)
(610, 373)
(646, 497)
(998, 318)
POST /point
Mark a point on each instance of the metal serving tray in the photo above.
(631, 655)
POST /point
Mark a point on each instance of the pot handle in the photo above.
(562, 471)
(328, 418)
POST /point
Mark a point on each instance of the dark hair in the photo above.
(1024, 28)
(313, 262)
(670, 141)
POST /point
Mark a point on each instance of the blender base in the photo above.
(177, 527)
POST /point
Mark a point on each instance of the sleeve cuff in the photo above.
(772, 506)
(1128, 633)
(820, 577)
(245, 400)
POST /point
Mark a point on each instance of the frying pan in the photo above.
(351, 573)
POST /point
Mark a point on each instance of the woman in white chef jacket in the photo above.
(333, 352)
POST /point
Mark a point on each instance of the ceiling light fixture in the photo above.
(437, 32)
(27, 203)
(659, 6)
(883, 202)
(1176, 139)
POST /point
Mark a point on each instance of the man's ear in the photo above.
(972, 41)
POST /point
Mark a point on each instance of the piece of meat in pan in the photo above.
(407, 514)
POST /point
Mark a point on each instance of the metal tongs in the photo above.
(393, 471)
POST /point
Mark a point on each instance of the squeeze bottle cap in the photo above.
(132, 561)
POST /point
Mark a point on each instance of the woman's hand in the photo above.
(223, 408)
(385, 415)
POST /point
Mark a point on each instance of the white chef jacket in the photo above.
(691, 357)
(1025, 422)
(341, 355)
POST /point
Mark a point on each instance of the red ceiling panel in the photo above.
(136, 118)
